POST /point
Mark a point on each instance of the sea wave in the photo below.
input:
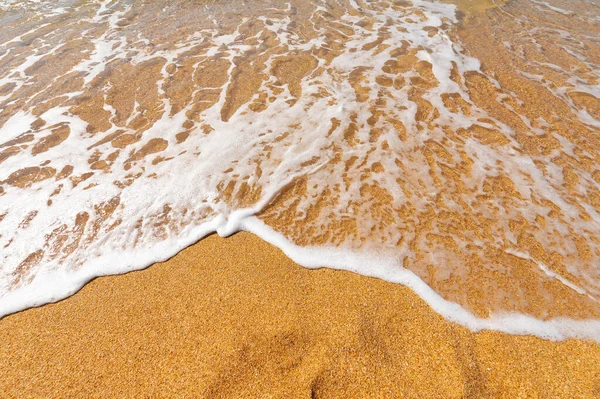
(375, 137)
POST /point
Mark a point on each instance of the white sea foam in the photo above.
(291, 139)
(52, 287)
(551, 7)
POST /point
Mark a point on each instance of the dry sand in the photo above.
(236, 318)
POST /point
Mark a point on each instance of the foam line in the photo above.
(372, 265)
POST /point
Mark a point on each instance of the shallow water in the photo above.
(452, 150)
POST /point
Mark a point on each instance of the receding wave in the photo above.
(454, 152)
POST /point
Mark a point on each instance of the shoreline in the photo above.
(236, 318)
(456, 185)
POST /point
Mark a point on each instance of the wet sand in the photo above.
(462, 145)
(236, 318)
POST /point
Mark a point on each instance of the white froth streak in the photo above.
(551, 7)
(549, 272)
(388, 269)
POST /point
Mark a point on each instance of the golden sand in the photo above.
(454, 203)
(476, 6)
(233, 318)
(236, 318)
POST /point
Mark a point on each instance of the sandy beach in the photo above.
(235, 318)
(456, 146)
